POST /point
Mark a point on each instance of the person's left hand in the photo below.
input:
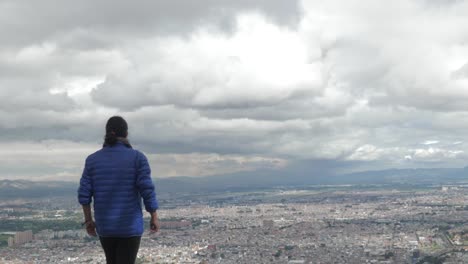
(91, 228)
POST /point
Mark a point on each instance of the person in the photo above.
(116, 178)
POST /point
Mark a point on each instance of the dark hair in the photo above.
(116, 127)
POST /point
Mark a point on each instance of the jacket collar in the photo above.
(121, 141)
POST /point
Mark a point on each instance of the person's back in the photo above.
(117, 201)
(115, 179)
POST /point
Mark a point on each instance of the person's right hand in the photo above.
(91, 228)
(154, 224)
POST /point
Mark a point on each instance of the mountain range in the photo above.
(244, 181)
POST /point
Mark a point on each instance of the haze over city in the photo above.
(217, 87)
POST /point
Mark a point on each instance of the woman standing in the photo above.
(116, 178)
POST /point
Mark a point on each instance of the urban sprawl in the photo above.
(327, 224)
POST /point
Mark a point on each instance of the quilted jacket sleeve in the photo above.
(85, 191)
(145, 184)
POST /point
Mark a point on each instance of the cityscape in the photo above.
(317, 224)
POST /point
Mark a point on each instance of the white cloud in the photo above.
(260, 64)
(430, 142)
(416, 155)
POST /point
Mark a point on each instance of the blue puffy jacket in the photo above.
(116, 178)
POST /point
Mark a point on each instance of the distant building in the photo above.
(268, 223)
(11, 241)
(20, 238)
(298, 261)
(211, 247)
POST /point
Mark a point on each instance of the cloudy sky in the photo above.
(211, 86)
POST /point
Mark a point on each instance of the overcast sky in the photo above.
(212, 86)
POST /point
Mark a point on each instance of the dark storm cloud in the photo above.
(31, 95)
(24, 22)
(187, 131)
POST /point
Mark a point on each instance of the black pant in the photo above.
(120, 250)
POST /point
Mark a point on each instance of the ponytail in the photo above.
(110, 139)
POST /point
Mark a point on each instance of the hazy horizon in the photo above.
(220, 87)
